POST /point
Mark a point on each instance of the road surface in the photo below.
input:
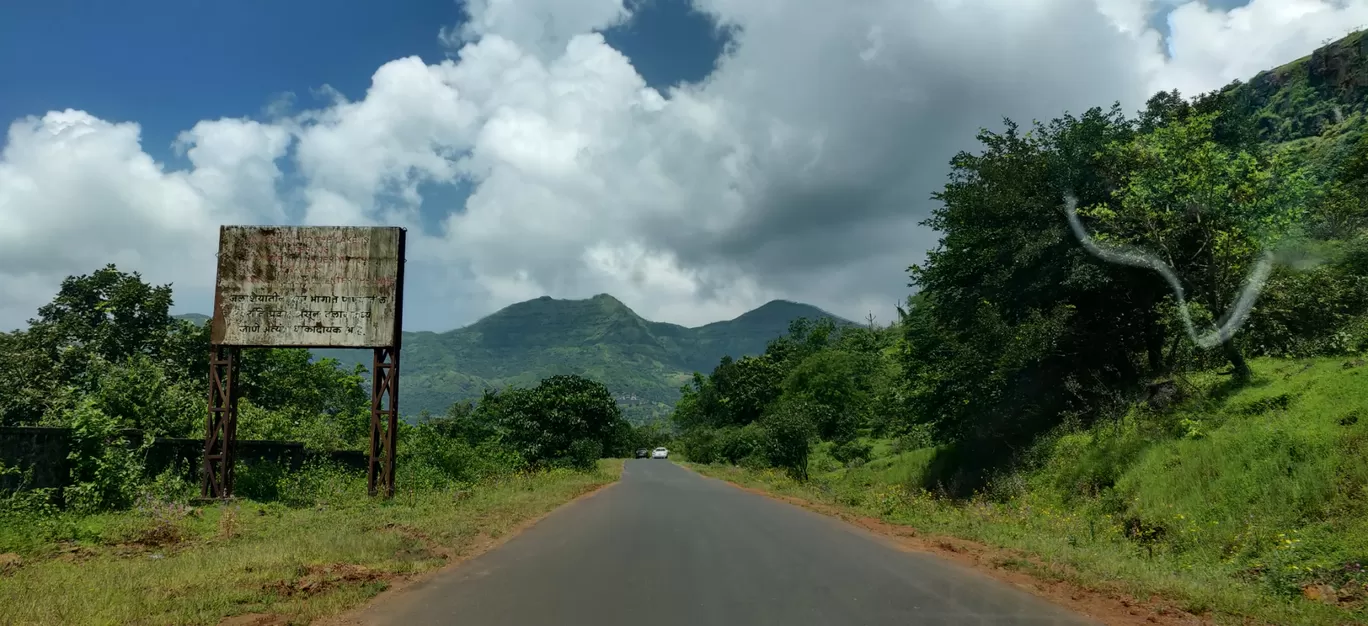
(668, 547)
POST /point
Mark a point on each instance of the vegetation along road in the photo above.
(667, 546)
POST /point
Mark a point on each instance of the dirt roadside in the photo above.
(398, 591)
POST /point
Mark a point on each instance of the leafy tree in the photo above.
(1016, 326)
(789, 431)
(744, 388)
(699, 405)
(307, 392)
(138, 394)
(805, 336)
(186, 352)
(27, 388)
(108, 314)
(651, 435)
(1206, 210)
(841, 382)
(107, 317)
(564, 420)
(464, 421)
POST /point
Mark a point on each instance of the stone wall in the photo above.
(43, 451)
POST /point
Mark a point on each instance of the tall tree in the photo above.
(1017, 327)
(108, 314)
(564, 420)
(1207, 210)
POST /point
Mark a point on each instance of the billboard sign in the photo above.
(315, 287)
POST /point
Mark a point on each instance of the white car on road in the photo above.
(660, 453)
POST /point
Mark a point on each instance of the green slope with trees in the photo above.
(643, 363)
(1037, 398)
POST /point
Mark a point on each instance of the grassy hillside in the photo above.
(1315, 105)
(193, 318)
(642, 362)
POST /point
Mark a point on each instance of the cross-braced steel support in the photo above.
(384, 420)
(221, 426)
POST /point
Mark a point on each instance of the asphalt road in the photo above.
(668, 547)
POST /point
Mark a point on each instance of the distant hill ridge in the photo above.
(642, 362)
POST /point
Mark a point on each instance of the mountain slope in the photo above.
(642, 362)
(1316, 106)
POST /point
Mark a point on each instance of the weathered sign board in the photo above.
(320, 286)
(305, 287)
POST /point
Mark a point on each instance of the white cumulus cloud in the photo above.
(77, 192)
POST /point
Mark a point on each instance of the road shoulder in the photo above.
(1047, 581)
(395, 598)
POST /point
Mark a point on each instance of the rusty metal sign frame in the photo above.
(220, 437)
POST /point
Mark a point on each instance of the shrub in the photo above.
(105, 470)
(583, 454)
(737, 443)
(852, 452)
(700, 445)
(789, 430)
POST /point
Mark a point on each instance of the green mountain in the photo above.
(642, 362)
(1316, 106)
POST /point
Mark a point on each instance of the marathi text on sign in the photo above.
(308, 286)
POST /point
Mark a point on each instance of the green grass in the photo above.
(299, 563)
(1234, 505)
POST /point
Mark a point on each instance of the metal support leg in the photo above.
(384, 420)
(220, 435)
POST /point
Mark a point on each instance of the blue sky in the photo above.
(168, 64)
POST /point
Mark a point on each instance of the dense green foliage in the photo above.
(105, 357)
(643, 363)
(819, 380)
(106, 346)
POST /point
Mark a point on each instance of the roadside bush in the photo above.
(105, 471)
(583, 455)
(260, 481)
(171, 485)
(755, 461)
(318, 482)
(430, 458)
(323, 482)
(737, 443)
(852, 452)
(789, 431)
(1309, 313)
(700, 446)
